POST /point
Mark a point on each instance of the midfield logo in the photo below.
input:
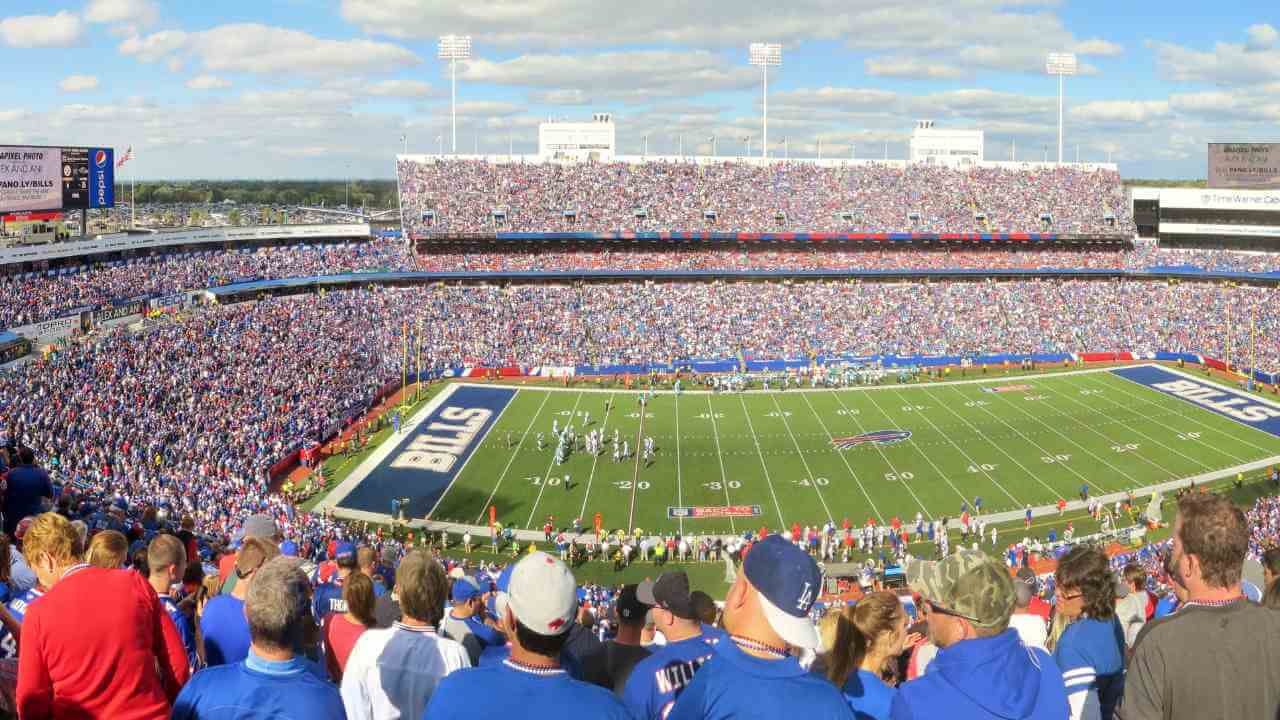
(879, 437)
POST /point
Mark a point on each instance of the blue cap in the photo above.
(344, 552)
(465, 588)
(789, 582)
(289, 548)
(120, 503)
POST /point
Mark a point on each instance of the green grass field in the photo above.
(774, 450)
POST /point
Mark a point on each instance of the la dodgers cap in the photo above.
(543, 594)
(788, 581)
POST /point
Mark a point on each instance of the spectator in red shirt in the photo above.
(97, 645)
(341, 630)
(1027, 576)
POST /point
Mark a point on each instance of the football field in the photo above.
(726, 462)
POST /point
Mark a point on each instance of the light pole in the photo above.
(440, 143)
(1062, 65)
(764, 55)
(747, 141)
(645, 153)
(510, 143)
(819, 148)
(348, 186)
(713, 146)
(786, 148)
(682, 146)
(454, 48)
(404, 144)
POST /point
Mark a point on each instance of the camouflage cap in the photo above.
(968, 584)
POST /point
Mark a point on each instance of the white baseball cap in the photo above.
(543, 594)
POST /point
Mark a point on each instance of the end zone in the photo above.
(1245, 408)
(422, 462)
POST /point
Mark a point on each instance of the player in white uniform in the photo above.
(555, 426)
(586, 418)
(626, 449)
(541, 442)
(617, 453)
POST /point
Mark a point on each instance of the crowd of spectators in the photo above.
(464, 195)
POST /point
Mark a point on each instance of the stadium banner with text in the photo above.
(1252, 166)
(691, 512)
(37, 178)
(1243, 407)
(424, 461)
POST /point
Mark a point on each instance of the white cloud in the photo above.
(1228, 64)
(42, 31)
(266, 50)
(937, 30)
(134, 13)
(1261, 37)
(628, 76)
(399, 88)
(914, 68)
(208, 82)
(78, 83)
(1120, 111)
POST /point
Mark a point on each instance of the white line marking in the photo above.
(542, 484)
(804, 462)
(724, 479)
(760, 452)
(514, 453)
(679, 480)
(844, 459)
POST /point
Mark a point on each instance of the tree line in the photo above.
(372, 194)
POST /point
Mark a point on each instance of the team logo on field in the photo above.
(879, 437)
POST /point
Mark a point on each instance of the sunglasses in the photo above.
(1063, 596)
(934, 608)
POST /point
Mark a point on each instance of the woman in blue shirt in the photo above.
(1091, 649)
(869, 638)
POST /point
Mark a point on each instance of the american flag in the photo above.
(126, 157)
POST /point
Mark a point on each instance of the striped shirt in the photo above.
(392, 672)
(1091, 657)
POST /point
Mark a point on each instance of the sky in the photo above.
(327, 88)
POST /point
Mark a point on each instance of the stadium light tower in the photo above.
(765, 55)
(1062, 65)
(454, 48)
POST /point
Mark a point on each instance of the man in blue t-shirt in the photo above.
(271, 681)
(27, 491)
(223, 626)
(657, 680)
(542, 602)
(752, 672)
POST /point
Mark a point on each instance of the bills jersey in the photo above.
(18, 608)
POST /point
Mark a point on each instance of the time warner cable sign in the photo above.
(56, 178)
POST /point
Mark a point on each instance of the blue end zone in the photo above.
(1239, 406)
(426, 460)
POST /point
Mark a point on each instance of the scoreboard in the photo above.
(34, 178)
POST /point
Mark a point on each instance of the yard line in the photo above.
(542, 485)
(724, 479)
(1134, 428)
(679, 481)
(966, 455)
(596, 457)
(514, 453)
(1072, 470)
(853, 474)
(760, 452)
(923, 454)
(635, 475)
(883, 456)
(800, 452)
(1190, 416)
(997, 445)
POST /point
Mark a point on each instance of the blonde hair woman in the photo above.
(869, 638)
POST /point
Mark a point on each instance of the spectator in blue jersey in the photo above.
(1090, 651)
(982, 670)
(753, 672)
(272, 681)
(224, 629)
(658, 680)
(28, 490)
(542, 601)
(465, 620)
(328, 596)
(166, 566)
(868, 640)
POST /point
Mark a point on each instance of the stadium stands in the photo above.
(466, 196)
